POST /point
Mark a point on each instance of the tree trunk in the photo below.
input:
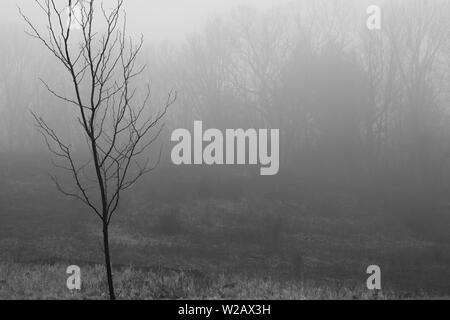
(109, 274)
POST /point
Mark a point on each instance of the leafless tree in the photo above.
(118, 129)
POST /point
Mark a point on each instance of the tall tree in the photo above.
(118, 129)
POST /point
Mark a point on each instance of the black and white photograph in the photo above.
(224, 151)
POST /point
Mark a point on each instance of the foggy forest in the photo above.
(363, 173)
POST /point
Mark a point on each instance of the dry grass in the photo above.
(19, 281)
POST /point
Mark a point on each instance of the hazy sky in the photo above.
(159, 19)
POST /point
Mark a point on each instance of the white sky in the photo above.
(157, 19)
(172, 18)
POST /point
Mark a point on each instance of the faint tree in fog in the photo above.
(417, 32)
(16, 88)
(101, 68)
(264, 44)
(207, 57)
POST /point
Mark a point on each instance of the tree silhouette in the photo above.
(118, 130)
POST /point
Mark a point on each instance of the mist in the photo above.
(359, 174)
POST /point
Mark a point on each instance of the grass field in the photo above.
(215, 248)
(41, 281)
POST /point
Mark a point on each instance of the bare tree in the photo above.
(118, 130)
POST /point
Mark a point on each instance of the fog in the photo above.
(158, 20)
(364, 143)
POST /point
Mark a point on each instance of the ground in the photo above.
(44, 281)
(213, 247)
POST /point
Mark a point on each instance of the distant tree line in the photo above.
(356, 108)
